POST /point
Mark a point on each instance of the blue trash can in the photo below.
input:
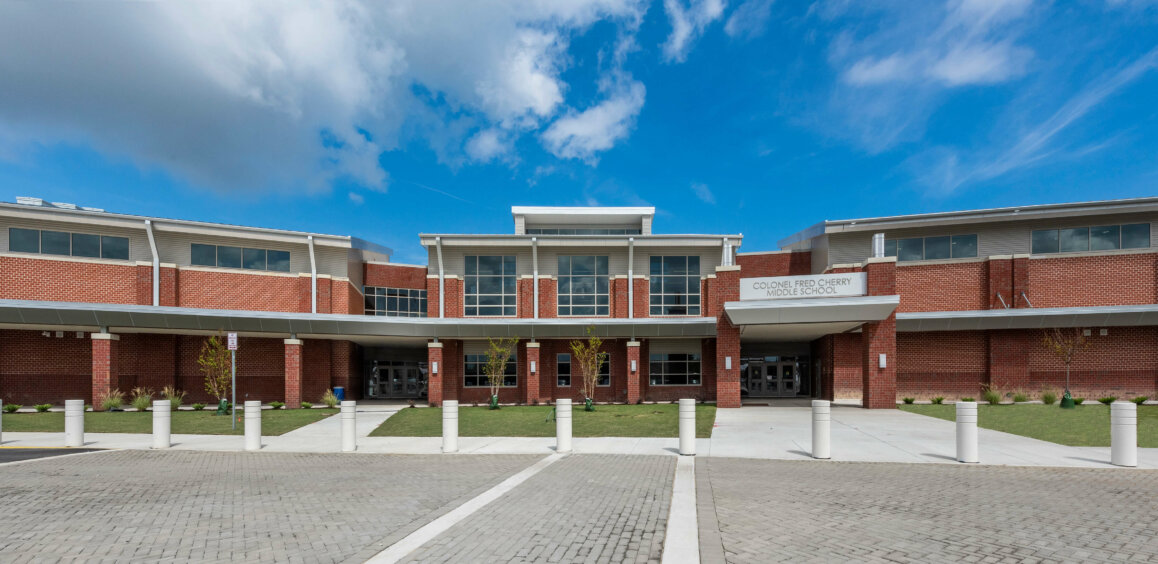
(340, 393)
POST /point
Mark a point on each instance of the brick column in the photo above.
(293, 373)
(434, 374)
(726, 288)
(1008, 361)
(879, 385)
(532, 388)
(1021, 281)
(633, 375)
(104, 366)
(1000, 281)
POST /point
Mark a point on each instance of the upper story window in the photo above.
(224, 256)
(563, 365)
(67, 244)
(582, 231)
(583, 286)
(489, 286)
(1098, 238)
(932, 248)
(674, 369)
(474, 375)
(675, 285)
(395, 302)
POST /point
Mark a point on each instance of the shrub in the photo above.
(42, 407)
(329, 399)
(1138, 400)
(198, 406)
(142, 398)
(1048, 397)
(112, 400)
(11, 407)
(307, 405)
(992, 396)
(966, 399)
(276, 404)
(176, 397)
(938, 400)
(1107, 400)
(1078, 401)
(1020, 397)
(908, 401)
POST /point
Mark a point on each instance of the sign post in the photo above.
(233, 380)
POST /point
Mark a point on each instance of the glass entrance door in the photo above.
(396, 379)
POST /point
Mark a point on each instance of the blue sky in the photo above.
(386, 119)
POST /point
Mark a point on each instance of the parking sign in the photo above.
(233, 341)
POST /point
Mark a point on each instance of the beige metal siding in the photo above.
(138, 240)
(709, 257)
(175, 248)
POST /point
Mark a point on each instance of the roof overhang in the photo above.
(1029, 318)
(807, 319)
(585, 215)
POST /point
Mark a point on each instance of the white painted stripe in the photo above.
(681, 544)
(413, 541)
(53, 457)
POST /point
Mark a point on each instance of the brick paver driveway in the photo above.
(230, 507)
(811, 511)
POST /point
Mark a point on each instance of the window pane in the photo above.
(694, 265)
(1076, 239)
(964, 246)
(601, 265)
(936, 248)
(23, 240)
(911, 249)
(253, 259)
(85, 245)
(1044, 241)
(115, 247)
(203, 255)
(279, 261)
(890, 247)
(1136, 236)
(656, 266)
(564, 265)
(229, 257)
(472, 265)
(55, 243)
(509, 265)
(675, 265)
(1105, 238)
(583, 265)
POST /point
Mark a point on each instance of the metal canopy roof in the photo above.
(142, 318)
(812, 310)
(1029, 318)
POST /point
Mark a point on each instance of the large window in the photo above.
(932, 248)
(475, 377)
(675, 369)
(224, 256)
(489, 286)
(395, 302)
(1097, 238)
(563, 365)
(582, 231)
(675, 285)
(67, 244)
(583, 286)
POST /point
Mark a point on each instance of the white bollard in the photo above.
(1124, 434)
(349, 426)
(688, 427)
(450, 426)
(253, 425)
(162, 418)
(967, 432)
(563, 425)
(73, 423)
(821, 429)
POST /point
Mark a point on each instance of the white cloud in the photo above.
(487, 145)
(749, 19)
(704, 193)
(981, 64)
(687, 24)
(357, 198)
(259, 95)
(876, 71)
(581, 135)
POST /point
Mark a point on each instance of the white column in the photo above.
(1, 422)
(563, 425)
(688, 426)
(1124, 433)
(74, 423)
(162, 417)
(967, 432)
(349, 426)
(821, 429)
(450, 426)
(253, 425)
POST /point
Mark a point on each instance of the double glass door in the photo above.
(396, 380)
(773, 379)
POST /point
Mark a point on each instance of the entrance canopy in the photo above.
(806, 319)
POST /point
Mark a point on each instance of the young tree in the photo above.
(498, 353)
(215, 364)
(588, 360)
(1066, 344)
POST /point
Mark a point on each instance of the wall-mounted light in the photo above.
(532, 367)
(634, 368)
(727, 363)
(883, 362)
(434, 367)
(1104, 332)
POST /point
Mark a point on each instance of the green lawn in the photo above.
(661, 420)
(273, 422)
(1085, 425)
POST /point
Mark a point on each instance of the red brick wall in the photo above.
(642, 292)
(1092, 280)
(727, 341)
(548, 298)
(526, 297)
(944, 287)
(776, 264)
(948, 364)
(396, 276)
(239, 291)
(68, 281)
(879, 385)
(38, 369)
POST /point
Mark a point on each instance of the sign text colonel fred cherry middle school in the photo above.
(813, 286)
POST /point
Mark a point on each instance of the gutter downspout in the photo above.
(726, 260)
(313, 277)
(631, 278)
(441, 280)
(535, 272)
(156, 263)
